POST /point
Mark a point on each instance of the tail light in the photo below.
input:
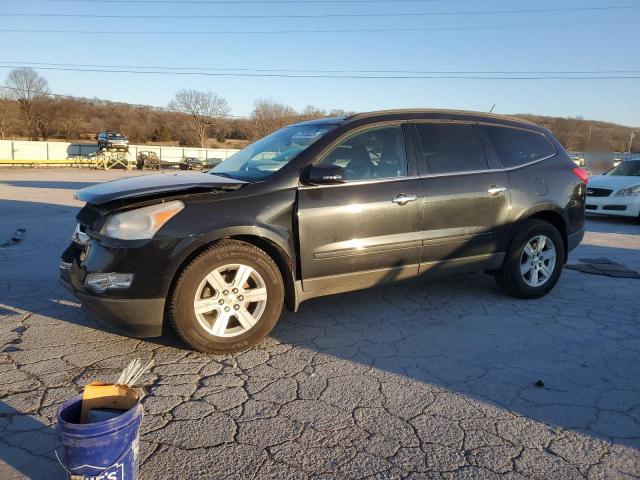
(581, 174)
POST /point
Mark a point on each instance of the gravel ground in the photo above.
(413, 380)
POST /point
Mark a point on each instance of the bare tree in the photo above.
(4, 121)
(268, 116)
(69, 118)
(202, 110)
(311, 111)
(338, 112)
(27, 87)
(5, 106)
(46, 116)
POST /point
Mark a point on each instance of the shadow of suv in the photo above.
(322, 207)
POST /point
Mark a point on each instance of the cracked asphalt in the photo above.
(413, 380)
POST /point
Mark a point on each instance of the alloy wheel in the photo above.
(230, 300)
(538, 261)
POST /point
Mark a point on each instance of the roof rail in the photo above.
(436, 110)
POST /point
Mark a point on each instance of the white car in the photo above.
(617, 192)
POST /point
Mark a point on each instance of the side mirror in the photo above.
(324, 175)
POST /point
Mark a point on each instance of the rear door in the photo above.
(365, 231)
(466, 198)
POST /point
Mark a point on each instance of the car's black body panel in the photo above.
(328, 238)
(369, 231)
(135, 317)
(466, 221)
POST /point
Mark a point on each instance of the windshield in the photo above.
(269, 154)
(626, 169)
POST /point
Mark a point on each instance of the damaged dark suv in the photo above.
(322, 207)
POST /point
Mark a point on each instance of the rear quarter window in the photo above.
(517, 147)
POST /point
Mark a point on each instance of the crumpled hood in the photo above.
(614, 182)
(149, 185)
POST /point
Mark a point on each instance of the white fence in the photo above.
(55, 151)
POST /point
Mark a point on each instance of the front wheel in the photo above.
(534, 261)
(227, 299)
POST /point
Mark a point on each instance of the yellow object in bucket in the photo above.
(107, 395)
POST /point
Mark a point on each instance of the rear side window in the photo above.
(451, 148)
(517, 147)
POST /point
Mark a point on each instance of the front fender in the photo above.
(190, 247)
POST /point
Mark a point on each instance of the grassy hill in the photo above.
(574, 133)
(79, 119)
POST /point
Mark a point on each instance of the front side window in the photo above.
(517, 147)
(263, 158)
(373, 154)
(451, 148)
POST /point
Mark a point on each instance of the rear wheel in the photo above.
(534, 261)
(227, 299)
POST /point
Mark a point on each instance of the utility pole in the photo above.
(589, 140)
(631, 137)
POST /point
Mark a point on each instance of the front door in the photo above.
(466, 200)
(367, 230)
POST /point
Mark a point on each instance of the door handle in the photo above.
(494, 190)
(403, 199)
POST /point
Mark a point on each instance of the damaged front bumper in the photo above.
(130, 311)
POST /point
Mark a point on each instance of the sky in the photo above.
(398, 36)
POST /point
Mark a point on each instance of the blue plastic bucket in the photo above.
(103, 450)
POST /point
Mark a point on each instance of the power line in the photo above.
(339, 76)
(330, 15)
(232, 2)
(14, 64)
(303, 31)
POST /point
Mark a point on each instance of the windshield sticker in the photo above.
(308, 134)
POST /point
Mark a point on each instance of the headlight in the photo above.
(142, 223)
(629, 192)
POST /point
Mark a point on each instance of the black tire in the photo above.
(509, 278)
(181, 311)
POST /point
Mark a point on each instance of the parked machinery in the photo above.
(194, 163)
(148, 159)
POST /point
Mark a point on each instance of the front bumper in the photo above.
(137, 311)
(132, 317)
(612, 205)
